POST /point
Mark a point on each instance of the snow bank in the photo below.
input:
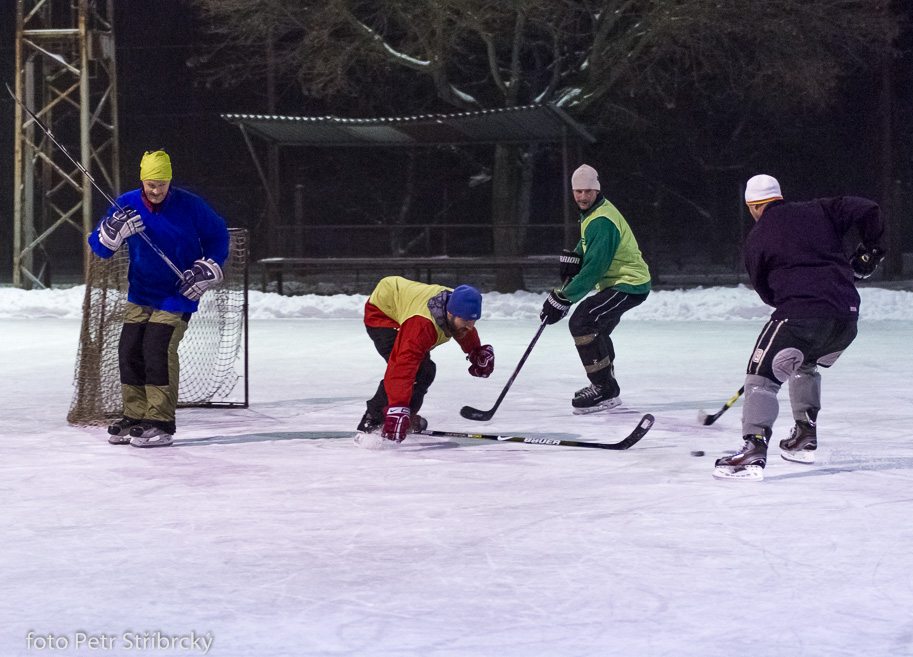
(32, 304)
(713, 303)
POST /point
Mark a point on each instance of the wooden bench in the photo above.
(420, 269)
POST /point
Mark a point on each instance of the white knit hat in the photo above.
(762, 189)
(585, 177)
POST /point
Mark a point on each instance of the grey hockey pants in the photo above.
(791, 350)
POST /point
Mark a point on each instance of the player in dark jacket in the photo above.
(159, 304)
(796, 262)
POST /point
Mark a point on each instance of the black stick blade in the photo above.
(646, 422)
(704, 418)
(707, 420)
(471, 413)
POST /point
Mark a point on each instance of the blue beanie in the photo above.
(465, 302)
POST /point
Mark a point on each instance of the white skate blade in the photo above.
(804, 456)
(160, 440)
(607, 405)
(372, 441)
(746, 473)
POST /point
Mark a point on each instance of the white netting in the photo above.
(213, 353)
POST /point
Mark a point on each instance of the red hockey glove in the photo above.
(397, 423)
(483, 361)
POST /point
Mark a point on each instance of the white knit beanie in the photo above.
(762, 189)
(585, 177)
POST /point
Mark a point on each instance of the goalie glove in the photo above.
(118, 226)
(865, 261)
(204, 275)
(483, 361)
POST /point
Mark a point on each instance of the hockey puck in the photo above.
(697, 452)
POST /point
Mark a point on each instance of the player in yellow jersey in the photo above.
(406, 320)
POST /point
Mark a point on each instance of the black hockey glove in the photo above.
(115, 228)
(555, 307)
(570, 264)
(865, 261)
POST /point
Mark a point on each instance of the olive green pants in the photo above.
(149, 367)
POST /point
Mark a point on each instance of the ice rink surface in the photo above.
(269, 532)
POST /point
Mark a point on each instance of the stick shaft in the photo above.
(642, 427)
(735, 397)
(513, 376)
(89, 177)
(475, 414)
(710, 419)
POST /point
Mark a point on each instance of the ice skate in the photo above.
(595, 398)
(801, 444)
(419, 424)
(120, 431)
(373, 441)
(369, 423)
(149, 435)
(748, 464)
(368, 436)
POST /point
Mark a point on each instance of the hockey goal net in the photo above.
(213, 352)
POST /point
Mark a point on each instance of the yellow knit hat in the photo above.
(156, 165)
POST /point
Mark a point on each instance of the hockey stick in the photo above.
(471, 413)
(89, 177)
(633, 438)
(707, 420)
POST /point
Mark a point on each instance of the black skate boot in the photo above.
(120, 430)
(748, 464)
(419, 423)
(802, 442)
(369, 423)
(152, 433)
(595, 398)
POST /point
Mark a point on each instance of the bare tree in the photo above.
(605, 61)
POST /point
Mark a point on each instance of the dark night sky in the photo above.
(161, 108)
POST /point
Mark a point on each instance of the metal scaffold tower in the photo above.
(65, 74)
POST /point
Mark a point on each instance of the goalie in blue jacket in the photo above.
(159, 304)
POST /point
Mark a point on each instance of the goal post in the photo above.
(213, 353)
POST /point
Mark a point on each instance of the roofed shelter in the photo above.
(517, 126)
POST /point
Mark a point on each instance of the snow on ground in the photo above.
(716, 303)
(267, 531)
